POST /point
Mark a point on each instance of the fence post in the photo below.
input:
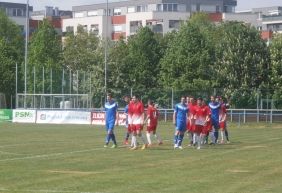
(231, 116)
(165, 115)
(172, 98)
(258, 115)
(239, 124)
(271, 116)
(244, 115)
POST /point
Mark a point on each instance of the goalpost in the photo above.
(53, 101)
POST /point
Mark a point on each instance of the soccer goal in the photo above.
(53, 101)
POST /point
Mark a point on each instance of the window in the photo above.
(164, 7)
(78, 14)
(109, 12)
(20, 12)
(92, 13)
(117, 11)
(15, 12)
(217, 9)
(134, 25)
(117, 28)
(170, 7)
(130, 9)
(69, 28)
(94, 28)
(198, 7)
(159, 7)
(175, 7)
(142, 8)
(175, 24)
(84, 27)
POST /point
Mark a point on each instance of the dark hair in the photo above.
(110, 95)
(200, 98)
(150, 102)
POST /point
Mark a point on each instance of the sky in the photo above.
(67, 4)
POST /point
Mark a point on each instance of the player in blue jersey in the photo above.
(214, 108)
(111, 114)
(180, 117)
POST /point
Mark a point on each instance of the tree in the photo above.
(84, 52)
(118, 69)
(276, 68)
(187, 64)
(143, 62)
(242, 63)
(45, 51)
(11, 53)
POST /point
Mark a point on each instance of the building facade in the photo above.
(123, 18)
(16, 12)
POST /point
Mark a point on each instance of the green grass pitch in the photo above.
(71, 159)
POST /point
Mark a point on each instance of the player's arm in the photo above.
(174, 117)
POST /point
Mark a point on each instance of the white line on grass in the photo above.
(9, 153)
(51, 155)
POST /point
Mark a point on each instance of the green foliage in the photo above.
(135, 64)
(45, 51)
(11, 53)
(187, 63)
(242, 59)
(84, 52)
(276, 68)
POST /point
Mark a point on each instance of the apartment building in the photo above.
(123, 18)
(16, 12)
(53, 14)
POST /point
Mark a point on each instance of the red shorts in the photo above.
(190, 127)
(208, 126)
(151, 128)
(198, 129)
(222, 125)
(136, 127)
(205, 130)
(129, 129)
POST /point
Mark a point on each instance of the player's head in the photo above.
(150, 102)
(199, 101)
(109, 96)
(217, 98)
(212, 98)
(135, 98)
(183, 99)
(126, 98)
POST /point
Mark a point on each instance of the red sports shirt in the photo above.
(200, 114)
(153, 115)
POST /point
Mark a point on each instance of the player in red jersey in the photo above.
(152, 122)
(208, 127)
(222, 119)
(136, 120)
(201, 115)
(191, 103)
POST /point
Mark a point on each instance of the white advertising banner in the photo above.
(63, 117)
(98, 118)
(24, 116)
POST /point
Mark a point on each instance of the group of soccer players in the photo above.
(200, 120)
(135, 118)
(191, 115)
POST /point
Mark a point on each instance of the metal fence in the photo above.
(239, 115)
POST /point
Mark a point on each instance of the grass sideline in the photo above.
(71, 159)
